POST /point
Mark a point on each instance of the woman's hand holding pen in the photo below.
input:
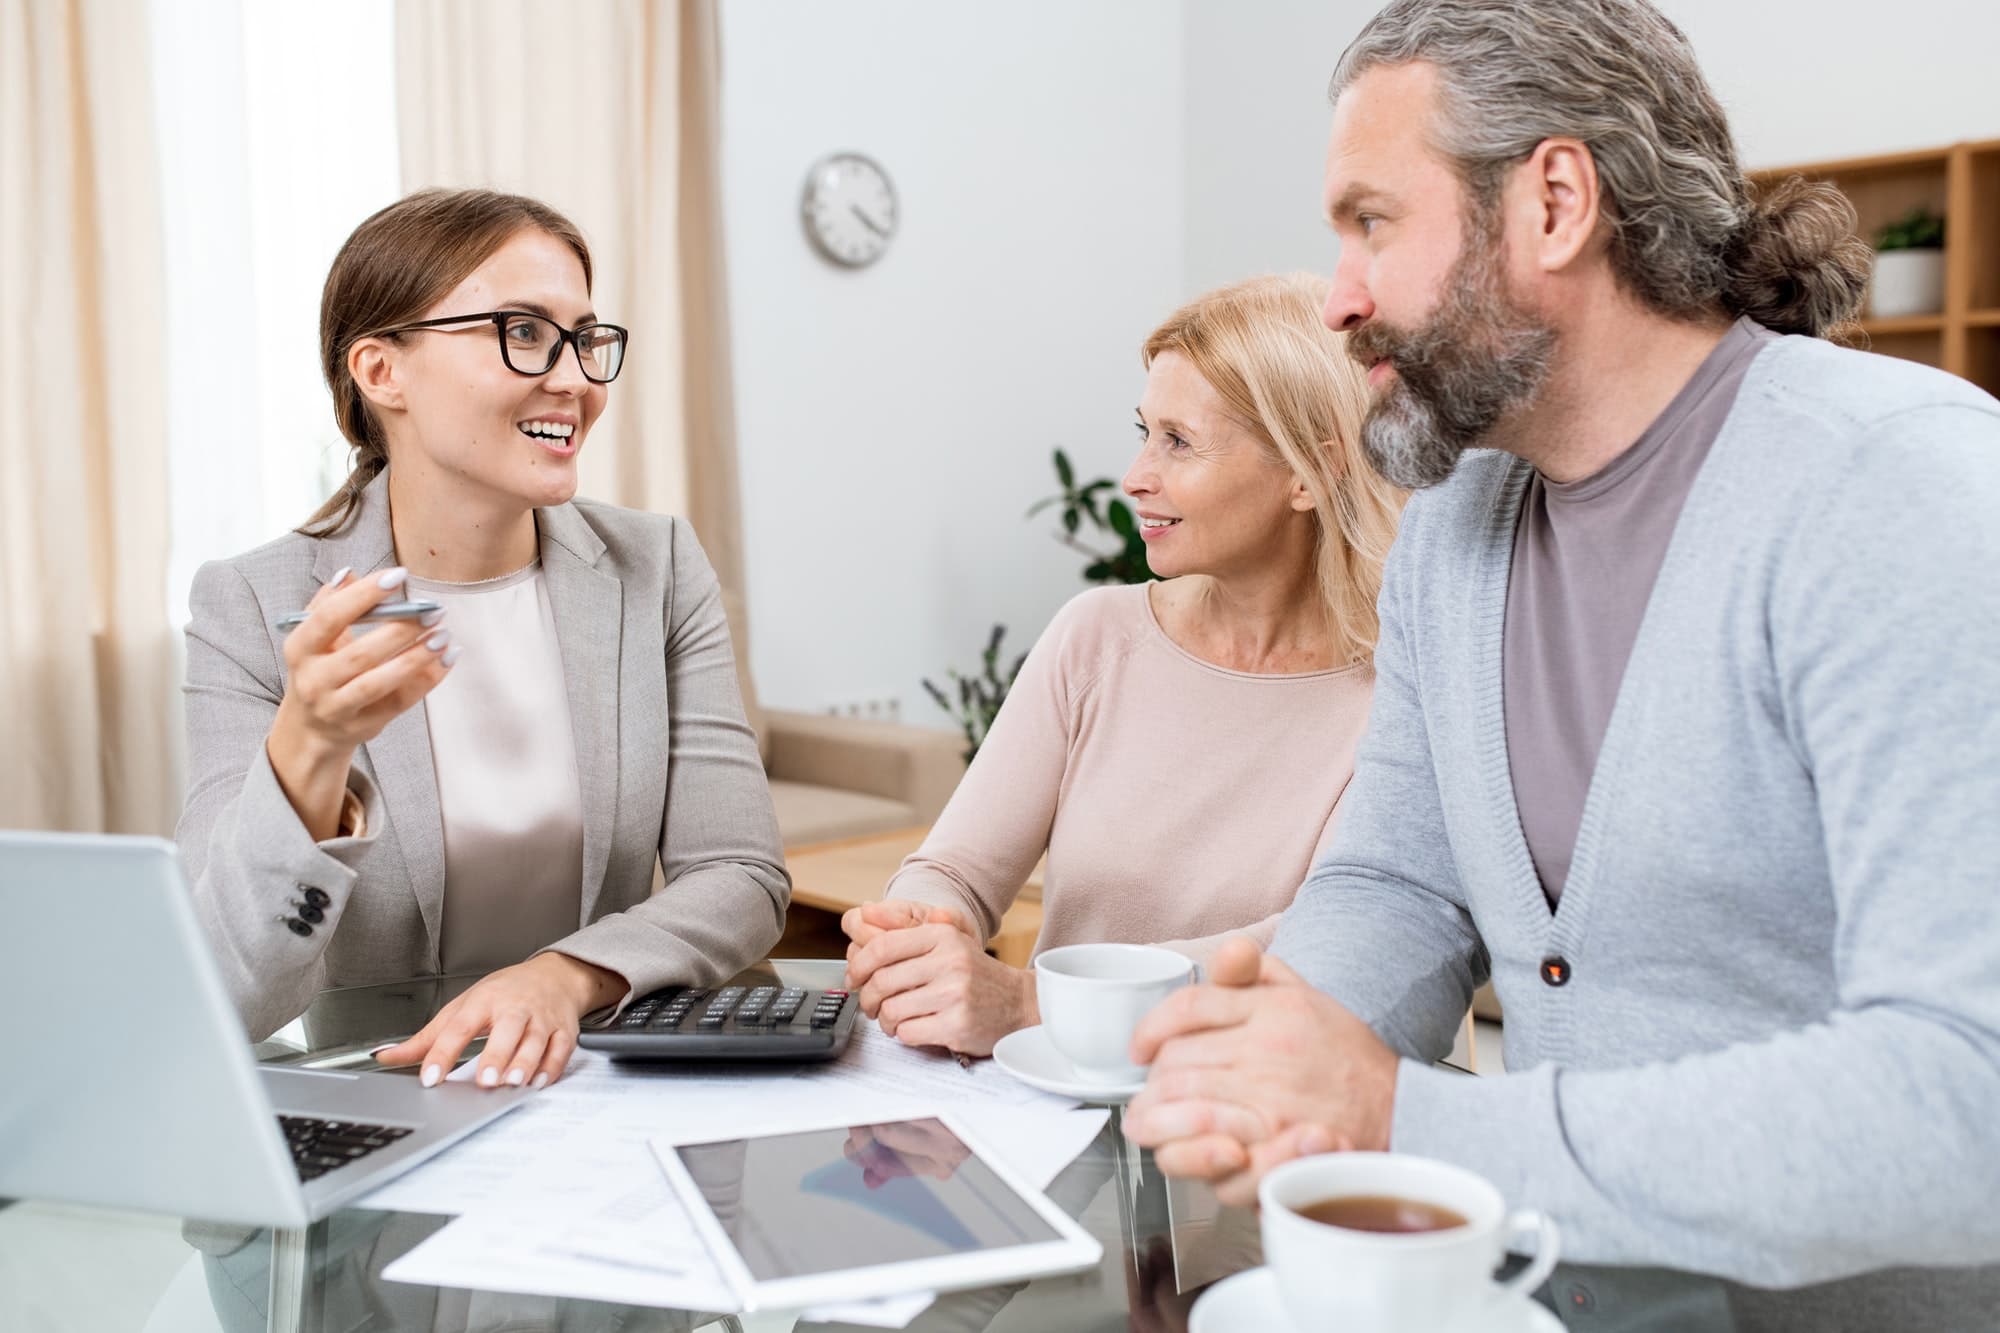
(342, 688)
(529, 1015)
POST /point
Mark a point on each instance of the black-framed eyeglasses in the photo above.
(530, 343)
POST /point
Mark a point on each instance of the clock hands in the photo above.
(868, 222)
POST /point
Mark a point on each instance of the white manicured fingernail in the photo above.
(516, 1077)
(489, 1078)
(341, 577)
(438, 640)
(451, 655)
(541, 1081)
(377, 1050)
(392, 578)
(432, 618)
(431, 1075)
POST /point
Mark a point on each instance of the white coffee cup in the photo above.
(1395, 1282)
(1092, 997)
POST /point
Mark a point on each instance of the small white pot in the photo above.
(1907, 282)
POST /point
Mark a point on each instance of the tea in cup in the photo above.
(1394, 1243)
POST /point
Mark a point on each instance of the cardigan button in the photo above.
(1555, 970)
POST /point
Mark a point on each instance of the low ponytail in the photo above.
(358, 425)
(1795, 264)
(341, 507)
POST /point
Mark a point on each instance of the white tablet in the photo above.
(852, 1212)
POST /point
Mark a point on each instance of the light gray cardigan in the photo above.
(669, 769)
(1777, 1056)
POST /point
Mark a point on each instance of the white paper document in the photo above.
(562, 1197)
(594, 1122)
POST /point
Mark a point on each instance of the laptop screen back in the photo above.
(129, 1079)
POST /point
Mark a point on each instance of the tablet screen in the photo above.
(795, 1205)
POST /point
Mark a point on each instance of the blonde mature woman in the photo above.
(1178, 749)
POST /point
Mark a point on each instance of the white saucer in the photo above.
(1249, 1303)
(1030, 1056)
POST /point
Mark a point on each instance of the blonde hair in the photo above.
(1262, 347)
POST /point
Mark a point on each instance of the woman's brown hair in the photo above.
(394, 267)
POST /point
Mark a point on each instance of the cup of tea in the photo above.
(1394, 1243)
(1092, 997)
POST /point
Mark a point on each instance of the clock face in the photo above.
(850, 209)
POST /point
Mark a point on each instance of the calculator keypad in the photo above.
(734, 1010)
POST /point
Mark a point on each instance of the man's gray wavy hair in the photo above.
(1687, 235)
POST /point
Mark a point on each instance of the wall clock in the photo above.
(849, 209)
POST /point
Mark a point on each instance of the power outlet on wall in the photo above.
(880, 708)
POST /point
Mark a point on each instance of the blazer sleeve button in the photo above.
(297, 927)
(317, 897)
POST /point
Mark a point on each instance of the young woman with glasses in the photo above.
(488, 788)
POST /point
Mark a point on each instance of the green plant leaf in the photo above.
(979, 697)
(938, 694)
(1064, 472)
(1122, 522)
(1918, 229)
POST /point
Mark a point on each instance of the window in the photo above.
(277, 129)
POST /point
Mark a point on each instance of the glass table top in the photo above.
(1165, 1242)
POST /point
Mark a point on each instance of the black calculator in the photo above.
(738, 1021)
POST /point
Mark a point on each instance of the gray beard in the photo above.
(1479, 357)
(1402, 438)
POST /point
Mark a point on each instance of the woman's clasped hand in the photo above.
(922, 972)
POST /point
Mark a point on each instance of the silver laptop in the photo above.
(128, 1081)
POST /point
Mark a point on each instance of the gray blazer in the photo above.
(668, 764)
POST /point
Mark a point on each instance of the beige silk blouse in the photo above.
(508, 789)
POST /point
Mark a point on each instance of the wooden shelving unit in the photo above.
(1962, 183)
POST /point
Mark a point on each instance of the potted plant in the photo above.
(1909, 266)
(1096, 502)
(978, 696)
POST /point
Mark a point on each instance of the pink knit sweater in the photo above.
(1178, 802)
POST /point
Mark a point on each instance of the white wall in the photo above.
(1805, 80)
(895, 423)
(1802, 80)
(1257, 119)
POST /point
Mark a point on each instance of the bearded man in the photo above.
(1687, 721)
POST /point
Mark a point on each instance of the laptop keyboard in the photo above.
(319, 1146)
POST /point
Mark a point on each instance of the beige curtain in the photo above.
(88, 680)
(608, 112)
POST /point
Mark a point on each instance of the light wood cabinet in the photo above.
(1961, 183)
